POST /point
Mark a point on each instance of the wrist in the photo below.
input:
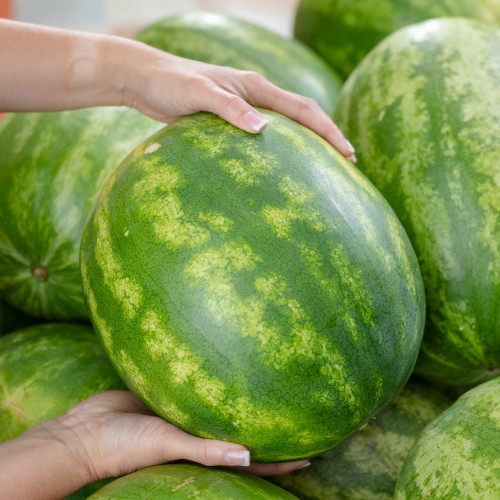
(47, 461)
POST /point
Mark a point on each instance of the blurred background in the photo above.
(124, 17)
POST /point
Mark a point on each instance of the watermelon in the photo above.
(255, 289)
(52, 166)
(229, 41)
(12, 319)
(423, 111)
(367, 464)
(343, 31)
(457, 454)
(47, 369)
(190, 481)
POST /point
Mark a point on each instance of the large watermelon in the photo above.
(47, 369)
(229, 41)
(255, 289)
(423, 110)
(344, 31)
(52, 166)
(367, 464)
(458, 454)
(179, 481)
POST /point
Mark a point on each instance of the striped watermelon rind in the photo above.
(47, 369)
(52, 166)
(343, 32)
(255, 289)
(457, 454)
(422, 111)
(368, 463)
(190, 481)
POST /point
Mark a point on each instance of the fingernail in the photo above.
(350, 147)
(303, 466)
(255, 121)
(352, 158)
(237, 457)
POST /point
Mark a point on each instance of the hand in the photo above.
(116, 434)
(107, 435)
(168, 87)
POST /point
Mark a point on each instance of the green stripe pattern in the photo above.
(366, 466)
(252, 288)
(342, 32)
(423, 112)
(458, 454)
(180, 481)
(229, 41)
(52, 166)
(47, 369)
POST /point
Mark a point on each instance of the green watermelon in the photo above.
(229, 41)
(423, 111)
(255, 289)
(367, 464)
(52, 166)
(47, 369)
(190, 481)
(344, 31)
(457, 455)
(12, 319)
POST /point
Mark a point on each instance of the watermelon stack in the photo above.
(261, 290)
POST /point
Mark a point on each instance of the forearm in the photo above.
(48, 69)
(40, 464)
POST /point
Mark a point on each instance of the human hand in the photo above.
(114, 434)
(166, 87)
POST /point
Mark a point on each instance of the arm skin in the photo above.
(49, 69)
(107, 435)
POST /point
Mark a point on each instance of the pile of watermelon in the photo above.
(260, 289)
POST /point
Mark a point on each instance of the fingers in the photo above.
(183, 446)
(303, 110)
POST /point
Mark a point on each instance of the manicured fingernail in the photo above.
(350, 147)
(255, 121)
(237, 457)
(352, 158)
(303, 466)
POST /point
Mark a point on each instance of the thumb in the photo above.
(207, 451)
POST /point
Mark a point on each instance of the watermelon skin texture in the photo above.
(255, 289)
(52, 166)
(457, 455)
(343, 31)
(47, 369)
(422, 110)
(178, 481)
(229, 41)
(368, 463)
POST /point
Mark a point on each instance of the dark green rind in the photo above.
(229, 41)
(12, 319)
(422, 110)
(47, 369)
(190, 481)
(87, 490)
(343, 31)
(458, 454)
(366, 466)
(52, 166)
(255, 289)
